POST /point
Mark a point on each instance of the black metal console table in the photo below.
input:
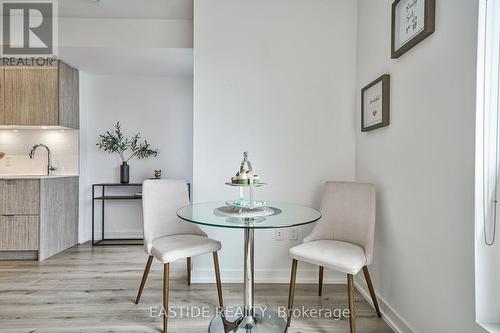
(103, 197)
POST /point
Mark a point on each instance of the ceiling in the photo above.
(129, 61)
(130, 9)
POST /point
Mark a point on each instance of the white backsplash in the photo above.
(17, 144)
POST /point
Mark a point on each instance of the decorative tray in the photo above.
(246, 203)
(254, 214)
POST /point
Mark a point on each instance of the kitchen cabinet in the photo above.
(30, 96)
(69, 101)
(19, 233)
(20, 197)
(45, 96)
(38, 217)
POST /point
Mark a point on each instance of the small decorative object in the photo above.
(245, 175)
(115, 142)
(157, 174)
(375, 104)
(412, 22)
(2, 155)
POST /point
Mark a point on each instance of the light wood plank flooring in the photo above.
(87, 289)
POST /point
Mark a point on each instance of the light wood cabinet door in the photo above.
(69, 115)
(2, 112)
(58, 215)
(31, 96)
(20, 197)
(19, 233)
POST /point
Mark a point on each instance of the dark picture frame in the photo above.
(384, 104)
(428, 29)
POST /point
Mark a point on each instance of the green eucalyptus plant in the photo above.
(115, 142)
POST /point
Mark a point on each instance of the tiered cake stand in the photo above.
(251, 201)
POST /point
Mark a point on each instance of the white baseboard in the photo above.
(390, 316)
(492, 328)
(266, 276)
(85, 237)
(124, 234)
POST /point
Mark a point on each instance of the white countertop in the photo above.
(34, 176)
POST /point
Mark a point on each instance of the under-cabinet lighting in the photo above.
(34, 127)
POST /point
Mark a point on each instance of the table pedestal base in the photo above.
(233, 321)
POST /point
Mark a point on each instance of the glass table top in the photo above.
(276, 215)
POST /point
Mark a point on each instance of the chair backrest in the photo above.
(161, 198)
(348, 210)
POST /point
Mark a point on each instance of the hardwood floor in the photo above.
(87, 289)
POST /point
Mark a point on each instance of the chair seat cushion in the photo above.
(340, 256)
(171, 248)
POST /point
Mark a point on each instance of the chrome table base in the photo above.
(248, 318)
(233, 321)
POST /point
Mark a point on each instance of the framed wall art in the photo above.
(412, 22)
(375, 104)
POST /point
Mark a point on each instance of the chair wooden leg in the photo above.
(166, 273)
(189, 268)
(350, 293)
(291, 293)
(144, 278)
(372, 291)
(217, 279)
(321, 273)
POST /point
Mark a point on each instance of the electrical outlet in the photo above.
(279, 235)
(293, 234)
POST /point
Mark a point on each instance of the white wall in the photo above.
(423, 167)
(158, 107)
(275, 78)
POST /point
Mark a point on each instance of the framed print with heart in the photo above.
(412, 22)
(375, 104)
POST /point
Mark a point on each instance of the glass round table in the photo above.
(249, 318)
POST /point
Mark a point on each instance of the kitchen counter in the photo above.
(34, 176)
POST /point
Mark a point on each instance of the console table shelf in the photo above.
(118, 197)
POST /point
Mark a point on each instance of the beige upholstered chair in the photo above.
(342, 240)
(167, 238)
